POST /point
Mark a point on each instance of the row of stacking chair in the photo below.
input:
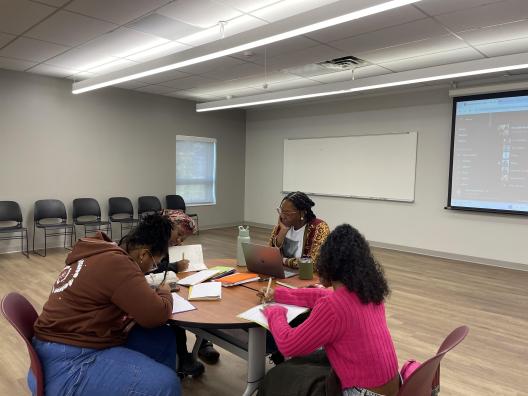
(50, 216)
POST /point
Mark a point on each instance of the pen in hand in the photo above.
(268, 288)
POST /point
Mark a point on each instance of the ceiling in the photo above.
(79, 39)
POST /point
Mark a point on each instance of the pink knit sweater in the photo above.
(354, 335)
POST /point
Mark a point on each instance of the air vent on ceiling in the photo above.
(343, 63)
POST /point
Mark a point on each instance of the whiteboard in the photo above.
(366, 166)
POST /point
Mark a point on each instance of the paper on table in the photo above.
(193, 253)
(199, 277)
(206, 291)
(255, 314)
(180, 304)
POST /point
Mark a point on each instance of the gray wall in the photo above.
(111, 142)
(423, 226)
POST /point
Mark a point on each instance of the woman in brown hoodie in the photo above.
(102, 330)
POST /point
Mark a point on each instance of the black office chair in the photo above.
(176, 202)
(10, 213)
(120, 210)
(87, 213)
(53, 213)
(148, 205)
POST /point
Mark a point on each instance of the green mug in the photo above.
(305, 268)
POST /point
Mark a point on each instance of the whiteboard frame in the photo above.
(356, 196)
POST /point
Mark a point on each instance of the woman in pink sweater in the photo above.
(348, 321)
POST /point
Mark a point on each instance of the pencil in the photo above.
(269, 285)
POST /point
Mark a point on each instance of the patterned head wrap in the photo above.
(179, 218)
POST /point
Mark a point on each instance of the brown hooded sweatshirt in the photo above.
(99, 292)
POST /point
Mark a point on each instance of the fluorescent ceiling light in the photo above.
(436, 73)
(389, 5)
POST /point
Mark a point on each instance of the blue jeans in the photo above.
(144, 366)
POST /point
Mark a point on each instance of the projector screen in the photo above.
(489, 153)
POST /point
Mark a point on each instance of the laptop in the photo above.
(265, 260)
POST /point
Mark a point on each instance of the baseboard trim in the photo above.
(451, 256)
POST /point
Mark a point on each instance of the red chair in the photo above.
(22, 316)
(425, 380)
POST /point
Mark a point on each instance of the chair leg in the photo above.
(34, 231)
(27, 244)
(45, 242)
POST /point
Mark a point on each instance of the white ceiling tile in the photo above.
(441, 58)
(241, 24)
(248, 5)
(257, 55)
(118, 64)
(413, 31)
(370, 23)
(191, 95)
(122, 42)
(15, 64)
(81, 76)
(163, 26)
(216, 65)
(435, 7)
(360, 72)
(306, 56)
(203, 37)
(31, 50)
(5, 38)
(50, 70)
(81, 59)
(237, 71)
(499, 33)
(130, 84)
(187, 82)
(504, 47)
(116, 11)
(415, 48)
(200, 13)
(158, 51)
(487, 15)
(69, 29)
(19, 15)
(155, 89)
(236, 93)
(288, 8)
(162, 77)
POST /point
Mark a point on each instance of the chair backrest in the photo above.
(175, 202)
(20, 313)
(120, 205)
(10, 211)
(148, 204)
(426, 377)
(49, 209)
(86, 207)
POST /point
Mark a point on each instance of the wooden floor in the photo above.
(430, 297)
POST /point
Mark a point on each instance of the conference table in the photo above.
(217, 321)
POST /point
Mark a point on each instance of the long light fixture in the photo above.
(435, 73)
(132, 74)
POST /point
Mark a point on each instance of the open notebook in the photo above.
(193, 253)
(255, 314)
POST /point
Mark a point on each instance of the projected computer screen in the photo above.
(489, 153)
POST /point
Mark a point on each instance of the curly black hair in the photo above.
(153, 231)
(302, 202)
(346, 257)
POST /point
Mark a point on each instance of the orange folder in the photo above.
(238, 279)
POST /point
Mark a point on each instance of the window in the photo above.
(196, 169)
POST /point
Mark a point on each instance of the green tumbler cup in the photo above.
(305, 268)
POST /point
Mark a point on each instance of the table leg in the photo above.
(256, 359)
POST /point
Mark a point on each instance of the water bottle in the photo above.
(243, 236)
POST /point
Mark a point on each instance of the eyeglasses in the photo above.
(286, 212)
(155, 264)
